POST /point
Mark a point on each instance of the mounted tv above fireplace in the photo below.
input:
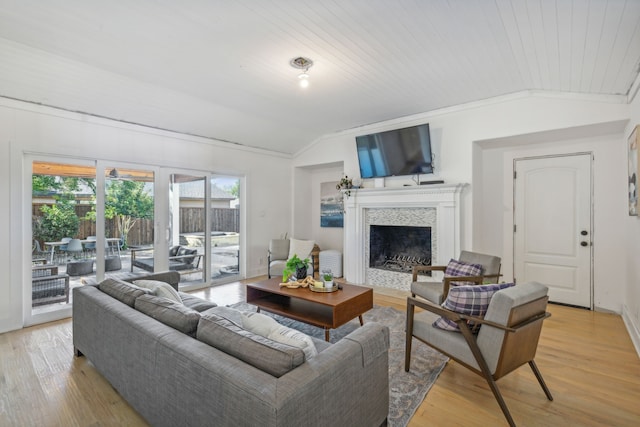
(405, 151)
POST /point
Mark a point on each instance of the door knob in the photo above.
(584, 244)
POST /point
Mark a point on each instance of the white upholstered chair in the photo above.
(280, 250)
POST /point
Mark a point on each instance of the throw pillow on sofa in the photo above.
(169, 312)
(259, 323)
(268, 327)
(159, 288)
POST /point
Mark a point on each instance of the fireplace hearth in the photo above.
(398, 247)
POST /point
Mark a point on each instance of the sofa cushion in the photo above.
(470, 300)
(459, 268)
(159, 288)
(173, 250)
(227, 312)
(267, 355)
(196, 303)
(122, 291)
(169, 312)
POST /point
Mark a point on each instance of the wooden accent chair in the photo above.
(507, 339)
(436, 290)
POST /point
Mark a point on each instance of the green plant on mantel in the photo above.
(345, 183)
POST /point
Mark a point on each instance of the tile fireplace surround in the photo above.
(436, 206)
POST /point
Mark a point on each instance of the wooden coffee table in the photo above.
(327, 310)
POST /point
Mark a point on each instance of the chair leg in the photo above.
(496, 393)
(486, 372)
(409, 336)
(538, 375)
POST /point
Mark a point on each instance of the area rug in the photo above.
(407, 390)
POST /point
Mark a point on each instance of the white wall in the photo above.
(459, 159)
(631, 299)
(27, 128)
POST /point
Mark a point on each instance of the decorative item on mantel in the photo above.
(345, 183)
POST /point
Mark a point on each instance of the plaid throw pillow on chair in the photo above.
(470, 300)
(459, 268)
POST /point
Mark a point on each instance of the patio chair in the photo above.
(62, 249)
(507, 337)
(90, 246)
(74, 248)
(436, 290)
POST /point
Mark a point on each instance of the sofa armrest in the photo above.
(357, 366)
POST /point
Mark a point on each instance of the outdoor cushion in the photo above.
(159, 288)
(169, 312)
(459, 268)
(187, 251)
(267, 355)
(470, 300)
(173, 250)
(122, 291)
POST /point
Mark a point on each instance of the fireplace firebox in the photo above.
(398, 247)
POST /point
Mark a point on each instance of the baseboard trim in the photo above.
(632, 328)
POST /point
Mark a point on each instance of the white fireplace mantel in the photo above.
(445, 198)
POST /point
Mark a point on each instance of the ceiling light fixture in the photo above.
(302, 63)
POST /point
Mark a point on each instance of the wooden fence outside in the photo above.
(191, 221)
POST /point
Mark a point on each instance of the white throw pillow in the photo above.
(258, 323)
(159, 288)
(302, 248)
(295, 338)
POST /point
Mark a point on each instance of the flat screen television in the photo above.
(395, 152)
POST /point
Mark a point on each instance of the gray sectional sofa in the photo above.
(210, 374)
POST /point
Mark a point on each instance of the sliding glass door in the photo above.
(63, 196)
(93, 219)
(224, 215)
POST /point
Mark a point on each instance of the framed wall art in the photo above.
(632, 185)
(331, 206)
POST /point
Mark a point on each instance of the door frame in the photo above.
(591, 214)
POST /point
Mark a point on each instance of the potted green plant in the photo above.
(327, 277)
(345, 183)
(295, 267)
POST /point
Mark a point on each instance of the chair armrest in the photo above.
(419, 268)
(515, 328)
(413, 302)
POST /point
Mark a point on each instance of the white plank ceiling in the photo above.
(220, 68)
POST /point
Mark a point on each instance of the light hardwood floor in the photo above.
(587, 359)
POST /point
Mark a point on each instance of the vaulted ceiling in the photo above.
(220, 68)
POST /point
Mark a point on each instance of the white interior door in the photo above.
(552, 226)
